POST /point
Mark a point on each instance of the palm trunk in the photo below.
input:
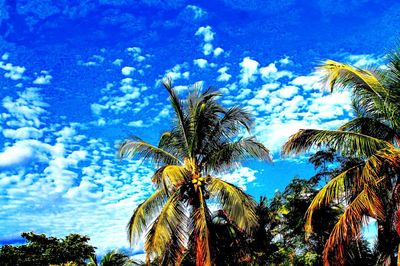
(201, 233)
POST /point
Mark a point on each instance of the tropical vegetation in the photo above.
(315, 221)
(368, 188)
(202, 143)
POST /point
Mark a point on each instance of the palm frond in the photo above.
(229, 154)
(339, 75)
(137, 147)
(334, 190)
(170, 222)
(143, 215)
(367, 203)
(239, 206)
(347, 143)
(371, 127)
(177, 106)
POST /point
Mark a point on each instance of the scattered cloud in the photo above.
(249, 70)
(197, 11)
(127, 70)
(12, 72)
(43, 79)
(201, 63)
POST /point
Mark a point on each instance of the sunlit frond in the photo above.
(239, 206)
(381, 160)
(347, 143)
(339, 75)
(334, 190)
(137, 147)
(143, 215)
(367, 203)
(170, 222)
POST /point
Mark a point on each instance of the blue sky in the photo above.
(77, 77)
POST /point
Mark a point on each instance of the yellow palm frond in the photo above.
(342, 75)
(335, 189)
(367, 203)
(169, 223)
(174, 174)
(143, 214)
(239, 206)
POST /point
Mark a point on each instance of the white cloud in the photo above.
(117, 62)
(249, 70)
(223, 75)
(177, 72)
(198, 12)
(240, 177)
(310, 82)
(5, 56)
(287, 92)
(127, 70)
(137, 123)
(43, 79)
(271, 73)
(23, 133)
(285, 61)
(207, 48)
(13, 72)
(24, 152)
(364, 60)
(201, 63)
(218, 51)
(206, 32)
(25, 110)
(135, 50)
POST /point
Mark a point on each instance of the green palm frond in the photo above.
(347, 143)
(239, 206)
(170, 222)
(180, 116)
(371, 127)
(367, 203)
(137, 147)
(232, 153)
(144, 214)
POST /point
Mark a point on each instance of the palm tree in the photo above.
(370, 188)
(112, 258)
(202, 143)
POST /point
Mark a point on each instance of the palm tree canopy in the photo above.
(202, 142)
(372, 137)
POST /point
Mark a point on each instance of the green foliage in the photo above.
(203, 142)
(42, 250)
(369, 188)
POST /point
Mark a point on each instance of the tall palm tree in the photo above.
(202, 142)
(370, 188)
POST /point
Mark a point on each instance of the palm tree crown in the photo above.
(203, 142)
(369, 188)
